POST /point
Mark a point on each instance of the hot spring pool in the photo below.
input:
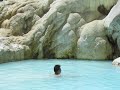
(76, 75)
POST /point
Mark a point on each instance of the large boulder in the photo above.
(116, 62)
(93, 43)
(12, 52)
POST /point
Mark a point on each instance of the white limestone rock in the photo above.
(49, 28)
(116, 62)
(93, 43)
(112, 23)
(64, 41)
(11, 52)
(5, 32)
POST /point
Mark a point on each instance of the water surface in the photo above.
(76, 75)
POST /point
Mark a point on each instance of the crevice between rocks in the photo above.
(115, 49)
(47, 50)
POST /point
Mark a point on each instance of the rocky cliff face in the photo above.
(79, 29)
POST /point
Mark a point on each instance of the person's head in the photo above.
(57, 69)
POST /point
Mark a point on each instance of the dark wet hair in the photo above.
(57, 69)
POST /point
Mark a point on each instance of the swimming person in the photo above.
(57, 69)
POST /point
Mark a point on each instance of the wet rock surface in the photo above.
(57, 29)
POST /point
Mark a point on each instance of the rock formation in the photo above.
(93, 43)
(36, 29)
(116, 62)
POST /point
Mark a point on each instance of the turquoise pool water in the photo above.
(76, 75)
